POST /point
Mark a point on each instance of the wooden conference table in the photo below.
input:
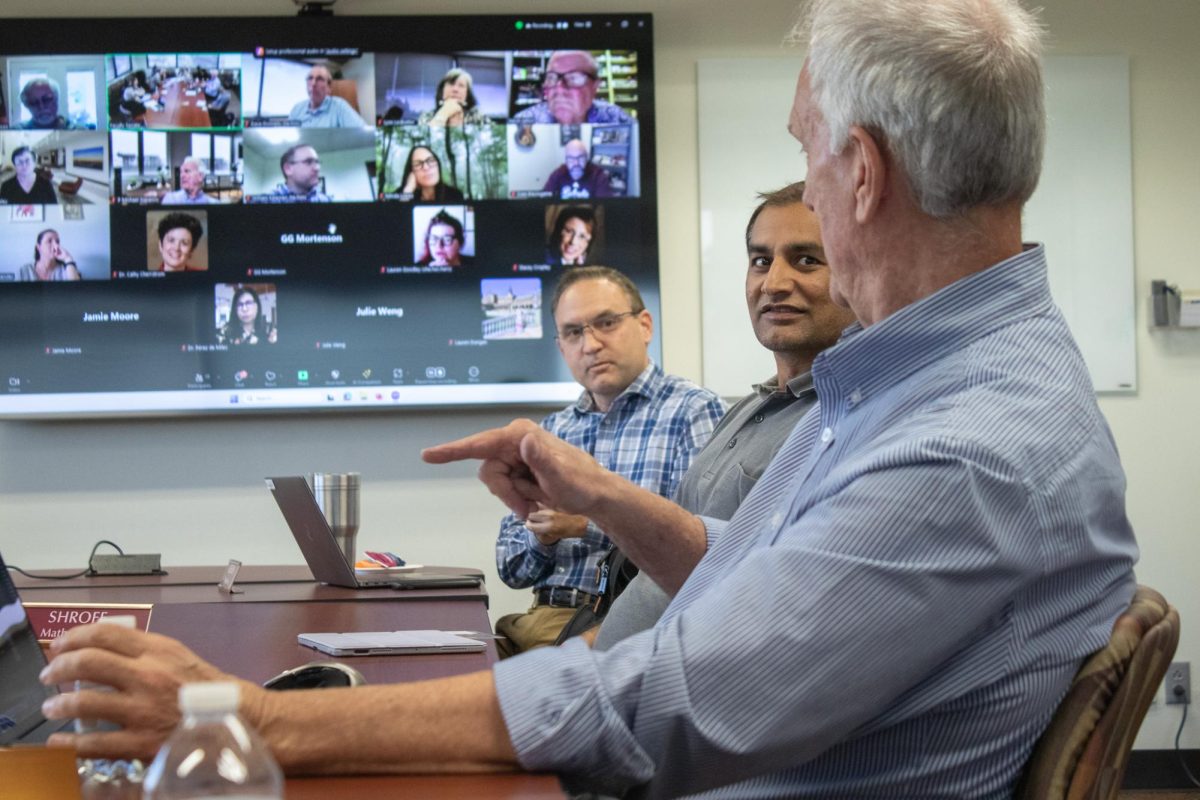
(183, 106)
(253, 634)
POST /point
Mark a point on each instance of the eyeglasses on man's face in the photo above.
(574, 79)
(308, 162)
(603, 325)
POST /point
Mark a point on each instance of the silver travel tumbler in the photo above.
(337, 497)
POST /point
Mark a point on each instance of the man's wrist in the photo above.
(606, 493)
(580, 525)
(594, 492)
(536, 540)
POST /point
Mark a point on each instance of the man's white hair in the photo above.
(584, 54)
(952, 87)
(42, 81)
(197, 162)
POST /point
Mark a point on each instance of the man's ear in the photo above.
(647, 324)
(870, 166)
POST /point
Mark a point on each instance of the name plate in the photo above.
(29, 772)
(51, 620)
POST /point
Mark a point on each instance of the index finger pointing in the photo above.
(478, 445)
(498, 443)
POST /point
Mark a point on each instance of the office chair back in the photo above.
(1084, 751)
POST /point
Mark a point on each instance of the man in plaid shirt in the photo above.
(632, 418)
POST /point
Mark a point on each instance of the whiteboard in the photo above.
(1082, 210)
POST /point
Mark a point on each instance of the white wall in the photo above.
(189, 488)
(528, 168)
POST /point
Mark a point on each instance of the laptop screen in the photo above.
(21, 660)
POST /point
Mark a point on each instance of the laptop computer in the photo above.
(322, 552)
(390, 643)
(21, 660)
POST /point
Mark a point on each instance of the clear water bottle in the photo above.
(213, 752)
(102, 778)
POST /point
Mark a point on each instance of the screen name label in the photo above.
(379, 311)
(333, 237)
(111, 316)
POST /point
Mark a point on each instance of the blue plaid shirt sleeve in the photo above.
(694, 434)
(649, 435)
(520, 558)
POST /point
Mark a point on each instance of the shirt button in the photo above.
(759, 417)
(732, 442)
(855, 397)
(562, 569)
(826, 435)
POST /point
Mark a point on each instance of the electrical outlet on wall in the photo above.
(1178, 683)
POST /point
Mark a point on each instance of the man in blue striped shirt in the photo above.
(902, 600)
(900, 603)
(631, 417)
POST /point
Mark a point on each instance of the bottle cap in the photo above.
(207, 698)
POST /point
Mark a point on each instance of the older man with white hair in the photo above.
(41, 98)
(569, 88)
(901, 602)
(191, 185)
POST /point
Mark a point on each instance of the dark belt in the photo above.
(562, 597)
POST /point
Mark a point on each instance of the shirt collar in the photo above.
(284, 189)
(642, 386)
(797, 386)
(867, 360)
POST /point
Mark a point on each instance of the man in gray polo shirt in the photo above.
(787, 292)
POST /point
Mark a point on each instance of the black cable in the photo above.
(73, 574)
(1179, 752)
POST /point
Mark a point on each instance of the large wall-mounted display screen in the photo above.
(293, 213)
